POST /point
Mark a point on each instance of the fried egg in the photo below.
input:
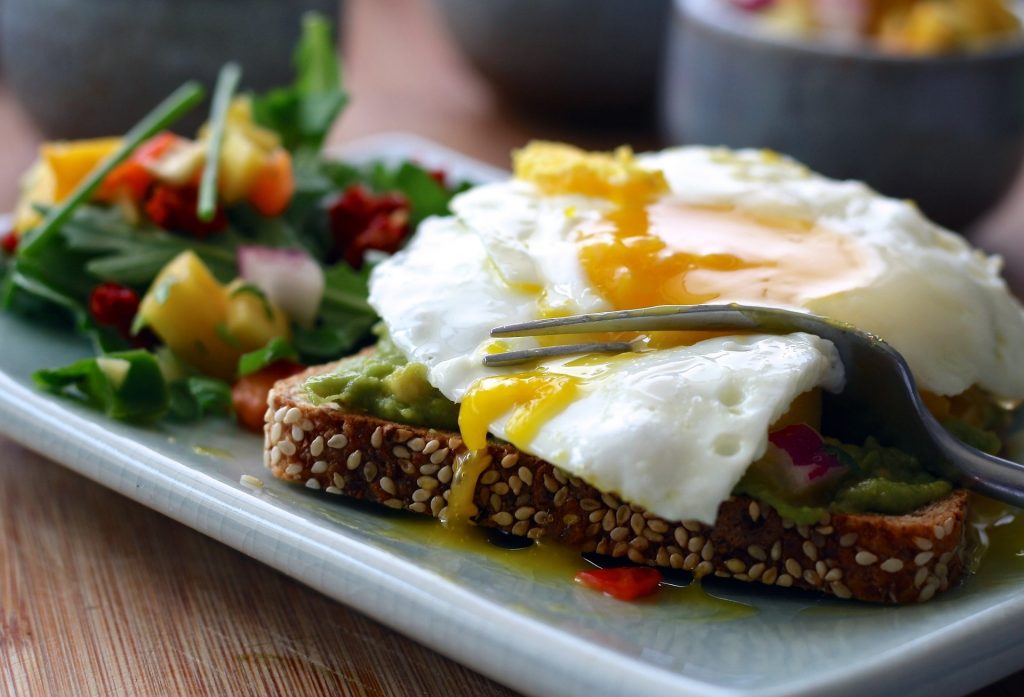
(673, 429)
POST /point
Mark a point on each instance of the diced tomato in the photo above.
(361, 220)
(114, 305)
(9, 242)
(440, 176)
(174, 208)
(274, 186)
(249, 394)
(132, 177)
(623, 583)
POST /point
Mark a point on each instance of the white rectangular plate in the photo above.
(536, 632)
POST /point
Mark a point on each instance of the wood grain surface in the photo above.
(100, 596)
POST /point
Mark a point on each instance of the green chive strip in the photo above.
(167, 112)
(227, 83)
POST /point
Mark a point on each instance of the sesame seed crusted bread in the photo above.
(875, 558)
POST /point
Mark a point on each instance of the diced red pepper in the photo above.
(174, 208)
(361, 220)
(114, 305)
(804, 446)
(623, 583)
(440, 176)
(249, 394)
(9, 242)
(132, 176)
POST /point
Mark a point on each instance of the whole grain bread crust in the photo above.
(875, 558)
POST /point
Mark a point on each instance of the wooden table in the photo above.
(100, 596)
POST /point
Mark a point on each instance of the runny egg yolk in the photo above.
(649, 250)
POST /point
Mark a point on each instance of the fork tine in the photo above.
(664, 317)
(515, 357)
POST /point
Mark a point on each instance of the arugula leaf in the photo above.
(126, 385)
(193, 397)
(303, 113)
(426, 195)
(277, 349)
(345, 316)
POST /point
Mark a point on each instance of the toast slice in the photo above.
(875, 558)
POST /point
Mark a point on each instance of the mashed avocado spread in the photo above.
(879, 479)
(383, 383)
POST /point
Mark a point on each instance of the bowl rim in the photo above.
(718, 15)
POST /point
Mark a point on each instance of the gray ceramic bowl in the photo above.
(947, 132)
(584, 59)
(94, 67)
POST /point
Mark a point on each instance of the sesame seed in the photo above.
(754, 510)
(840, 590)
(707, 552)
(293, 469)
(402, 435)
(338, 479)
(736, 566)
(337, 441)
(619, 534)
(317, 446)
(834, 575)
(275, 455)
(824, 530)
(431, 446)
(333, 490)
(298, 435)
(319, 467)
(692, 525)
(920, 577)
(510, 461)
(559, 474)
(928, 591)
(570, 519)
(429, 469)
(865, 558)
(776, 552)
(620, 549)
(948, 526)
(354, 460)
(637, 522)
(279, 414)
(810, 551)
(941, 570)
(640, 543)
(755, 571)
(489, 477)
(695, 543)
(675, 561)
(811, 576)
(691, 561)
(417, 507)
(770, 575)
(682, 537)
(550, 484)
(589, 504)
(417, 444)
(793, 568)
(397, 503)
(428, 483)
(275, 432)
(306, 425)
(703, 569)
(525, 512)
(939, 532)
(891, 565)
(247, 480)
(635, 556)
(608, 521)
(596, 516)
(286, 447)
(923, 543)
(757, 552)
(436, 504)
(388, 485)
(785, 580)
(526, 475)
(292, 416)
(370, 471)
(312, 483)
(610, 501)
(821, 568)
(503, 519)
(401, 452)
(422, 495)
(946, 557)
(438, 456)
(923, 558)
(848, 540)
(561, 496)
(657, 525)
(454, 442)
(377, 438)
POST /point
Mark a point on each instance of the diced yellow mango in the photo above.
(188, 309)
(60, 168)
(241, 161)
(252, 320)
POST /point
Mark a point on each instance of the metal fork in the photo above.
(880, 397)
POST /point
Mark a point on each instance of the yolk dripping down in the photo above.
(651, 251)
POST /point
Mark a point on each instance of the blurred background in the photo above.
(923, 99)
